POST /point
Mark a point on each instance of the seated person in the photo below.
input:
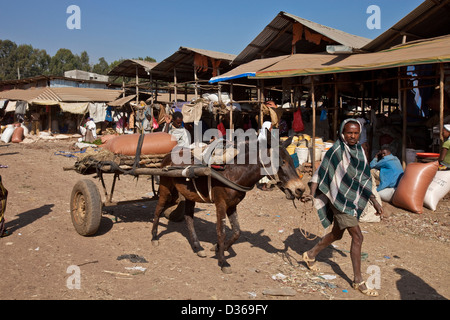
(444, 158)
(174, 126)
(391, 171)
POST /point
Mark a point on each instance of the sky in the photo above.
(138, 28)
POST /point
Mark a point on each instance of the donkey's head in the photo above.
(284, 172)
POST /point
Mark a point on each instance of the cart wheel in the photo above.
(86, 207)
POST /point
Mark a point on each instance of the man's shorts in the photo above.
(343, 220)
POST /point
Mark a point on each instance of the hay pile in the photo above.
(94, 159)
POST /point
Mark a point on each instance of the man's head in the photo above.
(446, 131)
(385, 150)
(177, 119)
(351, 132)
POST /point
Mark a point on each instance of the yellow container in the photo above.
(291, 149)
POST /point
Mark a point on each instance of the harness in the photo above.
(216, 175)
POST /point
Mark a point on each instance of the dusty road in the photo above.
(411, 252)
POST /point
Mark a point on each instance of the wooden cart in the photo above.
(86, 205)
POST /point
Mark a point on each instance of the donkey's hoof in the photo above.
(201, 254)
(155, 243)
(227, 270)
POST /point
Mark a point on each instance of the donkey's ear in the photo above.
(286, 143)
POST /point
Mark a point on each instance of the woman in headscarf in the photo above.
(444, 158)
(341, 189)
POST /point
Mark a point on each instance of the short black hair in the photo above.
(386, 147)
(177, 115)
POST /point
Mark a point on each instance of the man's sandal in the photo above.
(311, 266)
(5, 233)
(368, 292)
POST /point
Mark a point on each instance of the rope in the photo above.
(304, 214)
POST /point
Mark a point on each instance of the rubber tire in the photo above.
(86, 208)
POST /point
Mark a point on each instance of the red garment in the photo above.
(297, 124)
(221, 129)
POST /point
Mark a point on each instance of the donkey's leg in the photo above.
(189, 218)
(221, 234)
(232, 216)
(165, 197)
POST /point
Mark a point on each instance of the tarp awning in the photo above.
(435, 50)
(247, 69)
(75, 108)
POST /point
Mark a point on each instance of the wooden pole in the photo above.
(196, 82)
(402, 106)
(313, 105)
(231, 111)
(441, 102)
(175, 81)
(137, 86)
(260, 102)
(335, 108)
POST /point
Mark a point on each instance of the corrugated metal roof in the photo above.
(428, 20)
(183, 62)
(127, 68)
(122, 101)
(61, 95)
(276, 39)
(428, 51)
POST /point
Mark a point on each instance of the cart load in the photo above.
(154, 144)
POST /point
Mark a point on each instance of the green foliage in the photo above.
(24, 61)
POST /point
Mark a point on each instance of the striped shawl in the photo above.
(343, 180)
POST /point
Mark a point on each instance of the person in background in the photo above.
(88, 131)
(444, 158)
(340, 190)
(174, 126)
(4, 232)
(35, 122)
(363, 141)
(391, 171)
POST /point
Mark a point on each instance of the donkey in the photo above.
(224, 197)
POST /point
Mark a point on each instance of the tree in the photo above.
(64, 60)
(7, 48)
(84, 62)
(30, 62)
(102, 67)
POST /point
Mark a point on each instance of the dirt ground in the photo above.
(410, 251)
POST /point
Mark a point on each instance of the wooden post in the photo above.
(196, 82)
(231, 111)
(137, 86)
(441, 102)
(335, 116)
(175, 83)
(402, 106)
(313, 105)
(261, 101)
